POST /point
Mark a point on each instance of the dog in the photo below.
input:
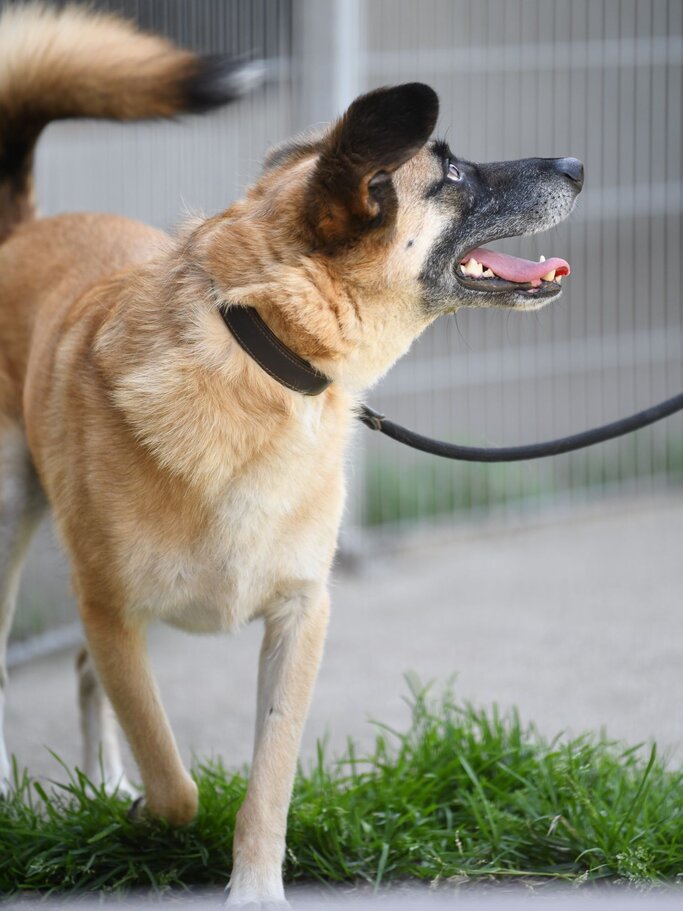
(184, 404)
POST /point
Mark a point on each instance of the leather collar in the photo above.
(279, 362)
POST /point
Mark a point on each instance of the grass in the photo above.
(463, 793)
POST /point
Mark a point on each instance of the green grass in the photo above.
(463, 793)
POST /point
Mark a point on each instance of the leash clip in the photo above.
(371, 418)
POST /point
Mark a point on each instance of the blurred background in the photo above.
(596, 79)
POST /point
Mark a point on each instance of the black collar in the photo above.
(270, 354)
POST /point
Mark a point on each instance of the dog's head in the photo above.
(358, 237)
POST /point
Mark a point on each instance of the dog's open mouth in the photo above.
(491, 272)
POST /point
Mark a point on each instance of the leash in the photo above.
(292, 371)
(379, 422)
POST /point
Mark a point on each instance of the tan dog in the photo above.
(187, 481)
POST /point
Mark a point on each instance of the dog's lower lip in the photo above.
(501, 285)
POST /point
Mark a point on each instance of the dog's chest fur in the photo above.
(263, 546)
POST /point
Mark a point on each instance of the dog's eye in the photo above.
(453, 174)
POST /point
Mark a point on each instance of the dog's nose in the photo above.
(571, 168)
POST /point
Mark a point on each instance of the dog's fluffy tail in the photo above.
(73, 62)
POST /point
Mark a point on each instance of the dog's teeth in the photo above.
(549, 276)
(473, 268)
(559, 279)
(541, 258)
(488, 274)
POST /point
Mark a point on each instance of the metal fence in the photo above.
(600, 81)
(597, 79)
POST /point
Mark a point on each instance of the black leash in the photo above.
(296, 374)
(376, 421)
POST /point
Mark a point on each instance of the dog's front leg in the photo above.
(119, 652)
(290, 656)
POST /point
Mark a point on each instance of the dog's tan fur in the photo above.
(186, 483)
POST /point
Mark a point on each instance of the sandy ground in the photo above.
(578, 622)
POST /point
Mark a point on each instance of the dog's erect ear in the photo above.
(351, 190)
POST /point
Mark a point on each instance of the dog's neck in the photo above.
(272, 355)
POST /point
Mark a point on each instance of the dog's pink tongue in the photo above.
(514, 269)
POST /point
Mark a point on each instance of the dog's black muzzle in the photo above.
(512, 198)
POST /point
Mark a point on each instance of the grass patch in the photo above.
(462, 793)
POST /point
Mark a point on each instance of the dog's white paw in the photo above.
(257, 888)
(122, 788)
(252, 905)
(116, 787)
(259, 906)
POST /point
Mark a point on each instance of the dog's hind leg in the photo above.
(21, 506)
(290, 656)
(102, 762)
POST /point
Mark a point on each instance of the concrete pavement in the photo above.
(486, 897)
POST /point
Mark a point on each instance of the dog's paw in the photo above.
(261, 906)
(137, 811)
(180, 811)
(250, 905)
(257, 888)
(112, 787)
(122, 788)
(117, 787)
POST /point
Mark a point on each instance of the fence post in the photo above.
(327, 50)
(328, 53)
